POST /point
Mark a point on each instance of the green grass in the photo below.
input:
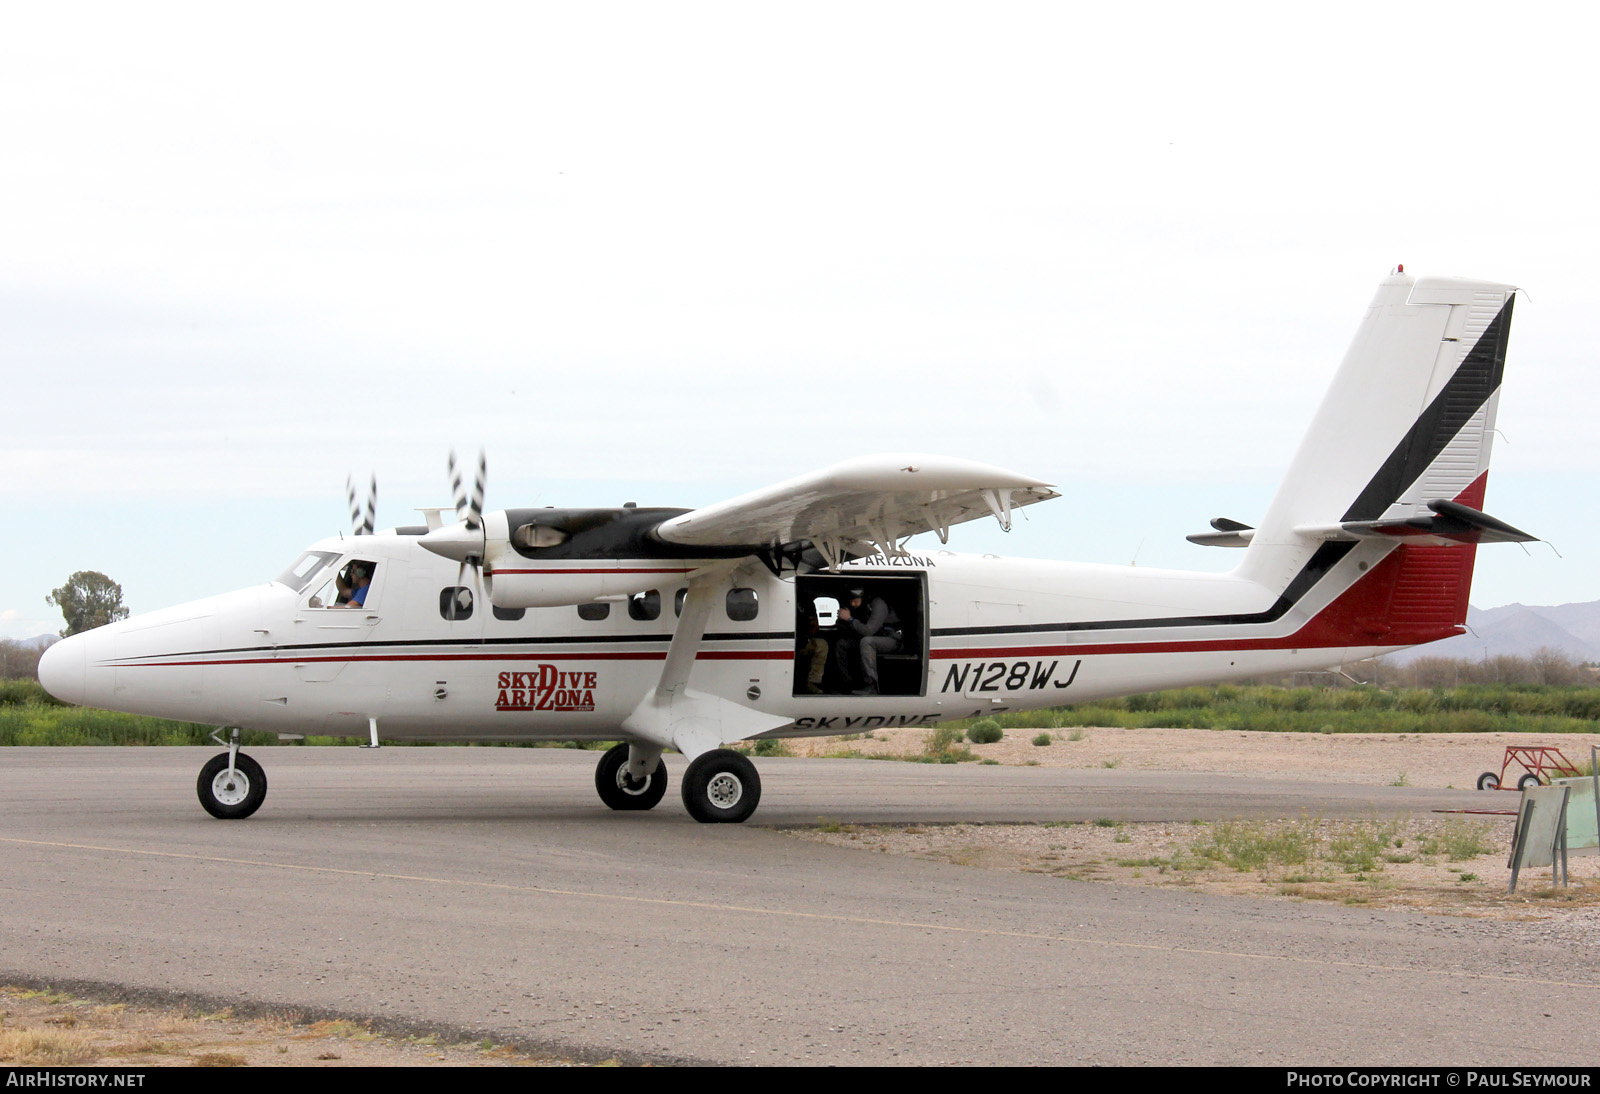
(1359, 849)
(29, 715)
(1250, 845)
(1458, 840)
(944, 745)
(33, 723)
(1475, 708)
(21, 692)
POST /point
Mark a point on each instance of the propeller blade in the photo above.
(475, 506)
(355, 507)
(455, 488)
(372, 506)
(469, 509)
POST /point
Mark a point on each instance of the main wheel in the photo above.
(231, 797)
(1488, 781)
(1530, 779)
(620, 792)
(721, 787)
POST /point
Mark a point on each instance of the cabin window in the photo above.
(742, 606)
(510, 615)
(455, 603)
(677, 601)
(594, 612)
(645, 606)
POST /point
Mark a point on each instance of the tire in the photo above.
(236, 798)
(1488, 781)
(1530, 779)
(721, 787)
(611, 780)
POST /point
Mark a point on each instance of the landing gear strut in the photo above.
(619, 790)
(721, 787)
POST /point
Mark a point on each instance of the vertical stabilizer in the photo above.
(1408, 420)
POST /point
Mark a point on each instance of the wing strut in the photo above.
(675, 715)
(999, 502)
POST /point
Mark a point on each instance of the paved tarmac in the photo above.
(487, 891)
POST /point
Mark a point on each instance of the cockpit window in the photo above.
(304, 570)
(349, 587)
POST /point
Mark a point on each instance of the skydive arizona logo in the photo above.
(547, 689)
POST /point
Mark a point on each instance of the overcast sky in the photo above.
(673, 252)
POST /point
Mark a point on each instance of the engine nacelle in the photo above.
(549, 558)
(517, 583)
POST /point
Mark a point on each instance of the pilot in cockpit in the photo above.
(353, 590)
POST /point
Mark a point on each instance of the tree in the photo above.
(88, 600)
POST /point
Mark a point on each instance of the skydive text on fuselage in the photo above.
(549, 688)
(870, 721)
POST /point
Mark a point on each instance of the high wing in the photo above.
(874, 500)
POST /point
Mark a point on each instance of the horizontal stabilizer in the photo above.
(1229, 533)
(1222, 539)
(1451, 522)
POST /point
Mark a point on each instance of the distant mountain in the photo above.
(1519, 630)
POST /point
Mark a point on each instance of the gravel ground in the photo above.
(1414, 868)
(1368, 759)
(43, 1028)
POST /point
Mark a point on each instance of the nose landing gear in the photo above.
(231, 785)
(235, 794)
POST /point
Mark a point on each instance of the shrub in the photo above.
(944, 745)
(1043, 739)
(985, 731)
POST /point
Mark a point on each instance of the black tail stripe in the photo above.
(1474, 381)
(1323, 560)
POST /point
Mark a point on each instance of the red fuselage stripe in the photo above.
(503, 572)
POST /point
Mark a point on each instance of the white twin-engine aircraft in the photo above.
(796, 610)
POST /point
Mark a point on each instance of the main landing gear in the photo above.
(620, 790)
(720, 787)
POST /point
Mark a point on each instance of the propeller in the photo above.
(473, 547)
(358, 526)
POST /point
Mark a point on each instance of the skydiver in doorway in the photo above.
(870, 627)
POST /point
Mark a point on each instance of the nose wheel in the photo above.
(231, 795)
(721, 787)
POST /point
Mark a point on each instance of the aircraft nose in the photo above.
(63, 669)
